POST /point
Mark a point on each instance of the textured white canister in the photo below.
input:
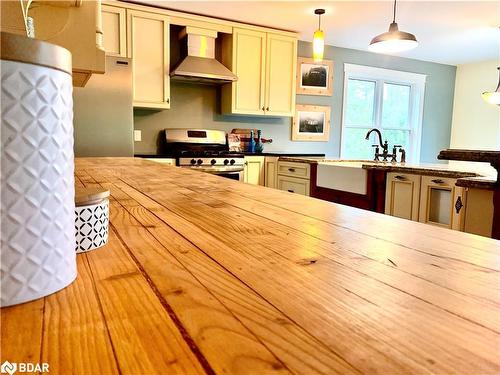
(37, 165)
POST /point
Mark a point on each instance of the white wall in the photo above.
(476, 124)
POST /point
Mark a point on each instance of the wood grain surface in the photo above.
(207, 275)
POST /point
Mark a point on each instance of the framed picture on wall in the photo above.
(311, 123)
(314, 78)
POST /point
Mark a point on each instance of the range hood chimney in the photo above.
(199, 64)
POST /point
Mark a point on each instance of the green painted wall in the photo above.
(198, 106)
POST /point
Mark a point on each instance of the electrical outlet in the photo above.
(137, 135)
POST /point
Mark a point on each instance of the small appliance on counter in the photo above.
(204, 150)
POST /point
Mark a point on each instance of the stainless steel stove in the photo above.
(204, 150)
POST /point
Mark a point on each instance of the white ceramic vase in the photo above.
(37, 180)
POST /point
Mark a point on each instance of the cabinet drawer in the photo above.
(293, 185)
(287, 168)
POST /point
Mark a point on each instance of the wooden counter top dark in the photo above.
(207, 275)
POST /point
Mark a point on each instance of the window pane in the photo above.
(396, 106)
(355, 146)
(360, 102)
(398, 137)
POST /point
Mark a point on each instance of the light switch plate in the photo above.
(137, 135)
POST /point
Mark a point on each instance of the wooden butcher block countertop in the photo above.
(207, 275)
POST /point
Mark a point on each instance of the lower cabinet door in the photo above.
(254, 170)
(441, 202)
(402, 196)
(271, 171)
(294, 185)
(478, 212)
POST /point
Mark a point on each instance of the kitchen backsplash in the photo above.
(198, 106)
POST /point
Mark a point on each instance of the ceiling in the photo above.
(449, 32)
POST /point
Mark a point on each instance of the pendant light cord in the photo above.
(319, 22)
(394, 15)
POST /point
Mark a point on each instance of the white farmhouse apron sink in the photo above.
(343, 175)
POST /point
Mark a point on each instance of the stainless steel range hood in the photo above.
(199, 63)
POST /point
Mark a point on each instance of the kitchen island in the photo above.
(207, 275)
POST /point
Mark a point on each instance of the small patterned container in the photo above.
(91, 219)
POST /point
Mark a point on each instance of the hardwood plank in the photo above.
(464, 303)
(376, 316)
(136, 318)
(292, 345)
(388, 227)
(75, 336)
(21, 332)
(369, 316)
(446, 272)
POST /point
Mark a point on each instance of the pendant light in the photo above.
(393, 40)
(493, 97)
(318, 38)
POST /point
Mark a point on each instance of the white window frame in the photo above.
(380, 76)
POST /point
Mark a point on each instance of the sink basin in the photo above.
(346, 176)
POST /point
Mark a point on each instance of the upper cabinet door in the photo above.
(249, 56)
(114, 25)
(148, 46)
(280, 75)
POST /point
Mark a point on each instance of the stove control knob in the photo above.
(199, 162)
(232, 162)
(213, 161)
(193, 162)
(226, 162)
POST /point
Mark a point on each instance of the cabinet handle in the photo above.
(290, 191)
(438, 181)
(263, 108)
(400, 178)
(168, 100)
(291, 169)
(458, 204)
(267, 109)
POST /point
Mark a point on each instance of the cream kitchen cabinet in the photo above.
(402, 195)
(294, 177)
(281, 65)
(265, 64)
(149, 48)
(271, 171)
(245, 56)
(441, 202)
(294, 185)
(254, 170)
(114, 27)
(478, 211)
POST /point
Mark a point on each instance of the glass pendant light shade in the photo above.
(393, 40)
(494, 96)
(318, 45)
(318, 39)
